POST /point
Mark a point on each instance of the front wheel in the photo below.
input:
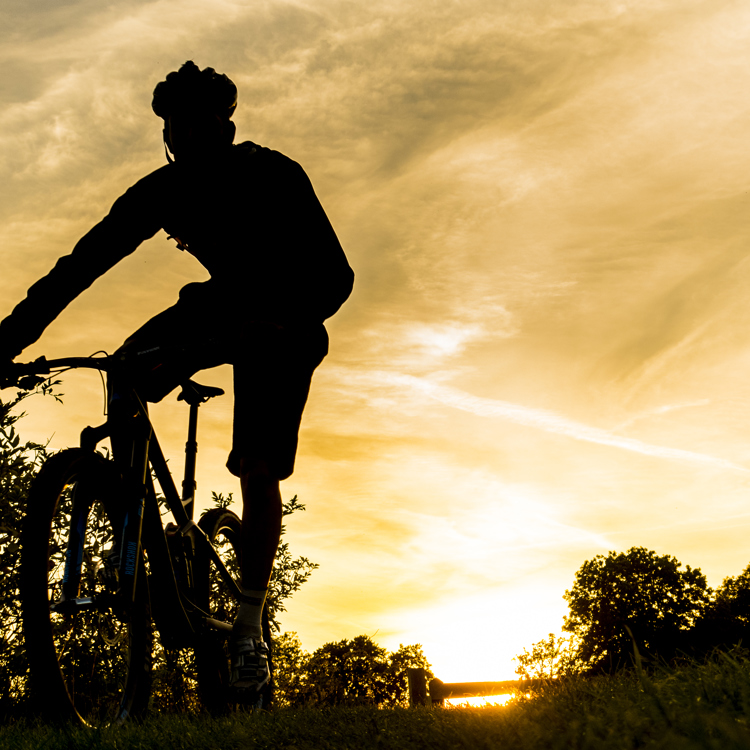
(87, 664)
(224, 530)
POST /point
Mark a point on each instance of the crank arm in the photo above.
(72, 606)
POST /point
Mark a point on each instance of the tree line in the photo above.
(347, 672)
(639, 602)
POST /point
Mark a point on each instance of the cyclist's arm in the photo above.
(131, 221)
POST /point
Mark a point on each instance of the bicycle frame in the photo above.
(171, 579)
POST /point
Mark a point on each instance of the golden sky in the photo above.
(546, 356)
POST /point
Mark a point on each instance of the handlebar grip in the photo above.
(24, 376)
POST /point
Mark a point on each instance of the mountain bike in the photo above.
(99, 569)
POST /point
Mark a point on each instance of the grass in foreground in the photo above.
(695, 706)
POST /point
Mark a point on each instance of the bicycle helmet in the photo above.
(193, 88)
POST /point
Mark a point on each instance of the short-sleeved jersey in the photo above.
(251, 217)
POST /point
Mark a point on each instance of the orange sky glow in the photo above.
(547, 352)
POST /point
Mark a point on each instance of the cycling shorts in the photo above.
(273, 367)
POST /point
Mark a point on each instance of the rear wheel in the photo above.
(224, 530)
(87, 664)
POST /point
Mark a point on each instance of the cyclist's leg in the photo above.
(271, 385)
(172, 346)
(271, 389)
(261, 524)
(163, 353)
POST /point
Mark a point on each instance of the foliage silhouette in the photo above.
(19, 463)
(640, 590)
(354, 672)
(726, 621)
(289, 573)
(550, 658)
(670, 612)
(289, 662)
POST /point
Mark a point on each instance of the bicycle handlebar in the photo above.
(26, 375)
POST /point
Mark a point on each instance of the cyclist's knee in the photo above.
(256, 470)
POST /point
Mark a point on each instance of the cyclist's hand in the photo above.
(18, 376)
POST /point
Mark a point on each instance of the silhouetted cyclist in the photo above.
(251, 217)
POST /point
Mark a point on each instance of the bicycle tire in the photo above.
(86, 667)
(224, 530)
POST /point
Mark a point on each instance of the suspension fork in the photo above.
(130, 431)
(81, 506)
(82, 500)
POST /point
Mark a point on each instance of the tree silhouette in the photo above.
(353, 672)
(726, 621)
(637, 591)
(347, 673)
(733, 598)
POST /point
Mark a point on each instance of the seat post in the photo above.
(194, 394)
(189, 484)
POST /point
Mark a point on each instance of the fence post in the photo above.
(436, 695)
(417, 681)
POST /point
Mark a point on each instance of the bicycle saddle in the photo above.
(195, 393)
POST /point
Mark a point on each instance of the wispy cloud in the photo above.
(658, 411)
(547, 421)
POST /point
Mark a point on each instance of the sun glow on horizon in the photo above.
(481, 701)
